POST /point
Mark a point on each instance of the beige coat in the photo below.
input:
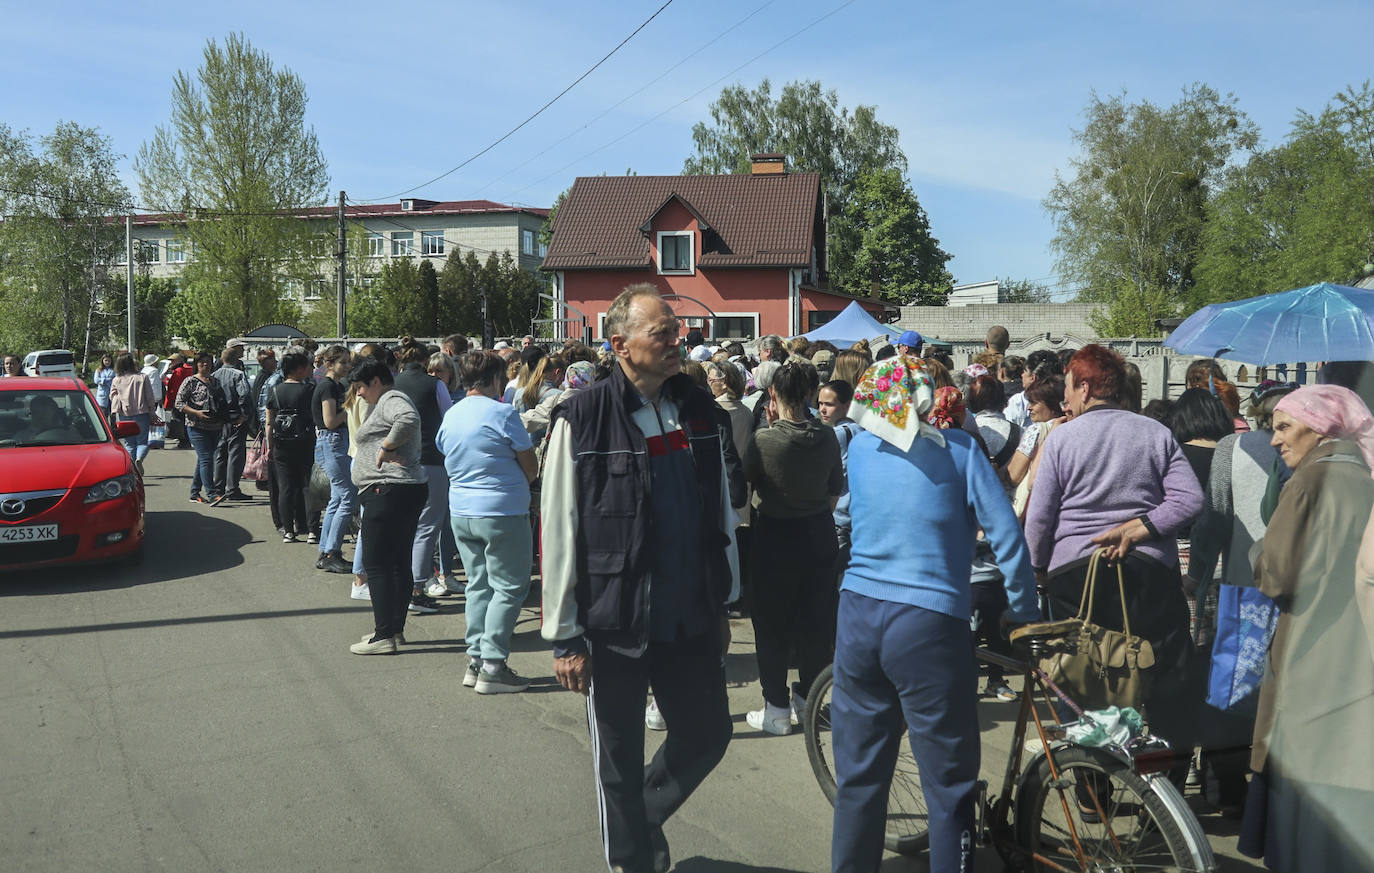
(1316, 706)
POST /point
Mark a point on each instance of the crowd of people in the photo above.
(884, 512)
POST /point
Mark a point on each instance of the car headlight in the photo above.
(110, 489)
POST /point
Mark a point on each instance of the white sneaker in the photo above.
(361, 592)
(653, 719)
(441, 588)
(776, 720)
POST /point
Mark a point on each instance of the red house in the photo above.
(744, 254)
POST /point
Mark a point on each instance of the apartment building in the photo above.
(410, 228)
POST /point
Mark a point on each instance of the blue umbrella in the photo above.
(1322, 322)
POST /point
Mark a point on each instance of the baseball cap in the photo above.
(909, 338)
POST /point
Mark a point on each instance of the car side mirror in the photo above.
(124, 429)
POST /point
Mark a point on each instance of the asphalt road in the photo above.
(203, 713)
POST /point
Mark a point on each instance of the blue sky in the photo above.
(986, 95)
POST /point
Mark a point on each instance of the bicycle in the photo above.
(1071, 808)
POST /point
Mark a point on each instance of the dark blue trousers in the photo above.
(894, 661)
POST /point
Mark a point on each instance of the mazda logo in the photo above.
(13, 506)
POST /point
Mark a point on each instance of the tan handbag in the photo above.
(1096, 666)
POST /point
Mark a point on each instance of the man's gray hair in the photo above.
(620, 317)
(772, 342)
(764, 373)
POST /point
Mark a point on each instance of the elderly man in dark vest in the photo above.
(637, 544)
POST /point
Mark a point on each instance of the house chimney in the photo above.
(767, 163)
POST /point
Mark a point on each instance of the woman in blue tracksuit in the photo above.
(902, 643)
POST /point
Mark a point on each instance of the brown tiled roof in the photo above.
(757, 220)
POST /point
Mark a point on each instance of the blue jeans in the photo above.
(496, 552)
(204, 442)
(331, 453)
(433, 518)
(448, 547)
(138, 445)
(894, 660)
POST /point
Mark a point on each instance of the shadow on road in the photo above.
(699, 864)
(169, 622)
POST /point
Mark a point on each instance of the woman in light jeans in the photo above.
(131, 399)
(490, 463)
(331, 453)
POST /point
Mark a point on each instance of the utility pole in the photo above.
(129, 276)
(486, 323)
(343, 269)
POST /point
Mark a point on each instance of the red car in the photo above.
(69, 492)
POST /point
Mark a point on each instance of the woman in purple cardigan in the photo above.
(1112, 479)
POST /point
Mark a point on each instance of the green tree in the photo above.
(57, 246)
(238, 159)
(1023, 291)
(1299, 213)
(1129, 220)
(894, 252)
(512, 294)
(806, 124)
(152, 296)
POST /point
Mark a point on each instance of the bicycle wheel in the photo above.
(907, 827)
(1122, 820)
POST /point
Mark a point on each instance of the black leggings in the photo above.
(291, 463)
(793, 603)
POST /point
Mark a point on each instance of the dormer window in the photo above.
(675, 253)
(407, 205)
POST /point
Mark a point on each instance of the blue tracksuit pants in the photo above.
(893, 661)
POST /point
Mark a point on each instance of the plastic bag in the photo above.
(1103, 727)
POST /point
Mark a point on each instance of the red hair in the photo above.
(1101, 369)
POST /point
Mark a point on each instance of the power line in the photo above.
(535, 115)
(646, 86)
(636, 129)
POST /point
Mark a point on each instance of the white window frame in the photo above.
(176, 251)
(429, 236)
(526, 242)
(402, 243)
(752, 315)
(376, 244)
(543, 249)
(691, 252)
(314, 290)
(150, 250)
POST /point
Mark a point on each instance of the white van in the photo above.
(50, 362)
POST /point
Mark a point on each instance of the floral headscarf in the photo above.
(948, 409)
(891, 399)
(973, 371)
(578, 375)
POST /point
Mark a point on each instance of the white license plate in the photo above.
(31, 533)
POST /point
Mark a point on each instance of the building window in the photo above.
(543, 249)
(526, 242)
(675, 252)
(432, 242)
(314, 289)
(738, 326)
(817, 317)
(402, 244)
(176, 251)
(376, 245)
(149, 251)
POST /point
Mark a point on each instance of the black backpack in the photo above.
(288, 424)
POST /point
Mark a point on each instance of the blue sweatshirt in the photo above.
(915, 518)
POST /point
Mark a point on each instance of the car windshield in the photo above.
(48, 418)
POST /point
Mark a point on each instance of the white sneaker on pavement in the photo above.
(653, 719)
(776, 720)
(436, 589)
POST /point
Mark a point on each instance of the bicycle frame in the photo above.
(997, 828)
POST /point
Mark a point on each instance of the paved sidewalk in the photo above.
(203, 713)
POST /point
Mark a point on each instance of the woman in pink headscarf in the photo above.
(1310, 802)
